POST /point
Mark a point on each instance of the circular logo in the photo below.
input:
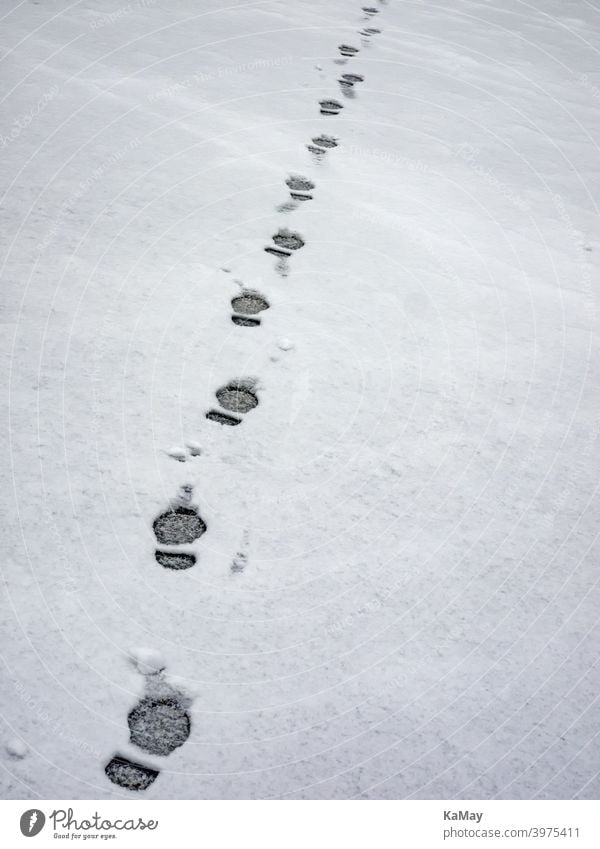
(32, 822)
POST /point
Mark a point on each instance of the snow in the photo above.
(147, 661)
(16, 748)
(397, 594)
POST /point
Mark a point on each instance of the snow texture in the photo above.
(394, 586)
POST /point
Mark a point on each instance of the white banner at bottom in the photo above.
(302, 824)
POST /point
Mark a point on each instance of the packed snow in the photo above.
(395, 594)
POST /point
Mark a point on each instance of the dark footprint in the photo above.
(330, 107)
(222, 418)
(159, 725)
(249, 303)
(325, 141)
(285, 241)
(370, 10)
(128, 774)
(297, 183)
(288, 206)
(175, 560)
(347, 50)
(237, 397)
(299, 187)
(244, 321)
(179, 526)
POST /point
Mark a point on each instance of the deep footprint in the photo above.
(222, 418)
(249, 303)
(347, 50)
(330, 107)
(159, 725)
(370, 10)
(175, 560)
(237, 397)
(130, 775)
(179, 526)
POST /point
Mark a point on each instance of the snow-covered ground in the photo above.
(397, 593)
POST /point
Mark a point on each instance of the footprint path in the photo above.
(160, 722)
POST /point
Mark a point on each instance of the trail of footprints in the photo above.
(160, 722)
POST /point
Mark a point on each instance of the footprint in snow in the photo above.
(287, 241)
(246, 306)
(180, 525)
(321, 144)
(237, 396)
(129, 774)
(330, 107)
(367, 33)
(347, 50)
(347, 82)
(159, 724)
(300, 187)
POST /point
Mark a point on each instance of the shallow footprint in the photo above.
(129, 774)
(325, 141)
(159, 725)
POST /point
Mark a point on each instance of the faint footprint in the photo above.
(320, 144)
(240, 561)
(368, 32)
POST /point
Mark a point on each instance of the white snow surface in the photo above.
(413, 506)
